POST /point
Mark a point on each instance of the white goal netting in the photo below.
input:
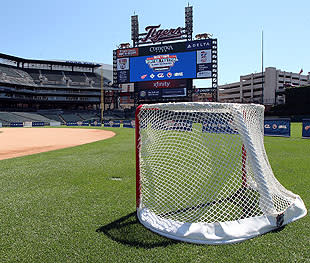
(203, 175)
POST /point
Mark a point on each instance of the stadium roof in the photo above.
(49, 62)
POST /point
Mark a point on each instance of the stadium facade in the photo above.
(28, 84)
(262, 88)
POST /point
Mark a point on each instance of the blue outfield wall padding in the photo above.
(71, 123)
(223, 126)
(85, 123)
(37, 123)
(172, 125)
(96, 123)
(16, 124)
(306, 128)
(277, 127)
(114, 124)
(128, 124)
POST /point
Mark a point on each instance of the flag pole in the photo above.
(263, 79)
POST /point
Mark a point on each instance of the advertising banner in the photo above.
(127, 52)
(16, 124)
(129, 124)
(122, 63)
(95, 123)
(217, 126)
(277, 127)
(123, 76)
(159, 84)
(112, 124)
(0, 124)
(163, 49)
(199, 44)
(72, 123)
(85, 123)
(27, 124)
(174, 125)
(161, 93)
(306, 128)
(55, 123)
(37, 123)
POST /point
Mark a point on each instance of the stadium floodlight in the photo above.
(203, 175)
(135, 30)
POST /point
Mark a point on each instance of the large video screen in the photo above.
(183, 65)
(162, 67)
(181, 60)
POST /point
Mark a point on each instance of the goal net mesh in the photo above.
(206, 163)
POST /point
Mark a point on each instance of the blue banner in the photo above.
(174, 125)
(277, 127)
(16, 124)
(306, 128)
(96, 123)
(71, 123)
(128, 124)
(219, 123)
(199, 44)
(85, 123)
(112, 124)
(37, 123)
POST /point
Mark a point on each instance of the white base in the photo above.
(219, 232)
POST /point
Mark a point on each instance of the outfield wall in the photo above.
(272, 127)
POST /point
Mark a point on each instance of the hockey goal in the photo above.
(203, 175)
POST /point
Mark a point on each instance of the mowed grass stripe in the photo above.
(62, 206)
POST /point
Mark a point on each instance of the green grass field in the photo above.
(78, 205)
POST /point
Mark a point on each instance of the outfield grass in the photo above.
(66, 206)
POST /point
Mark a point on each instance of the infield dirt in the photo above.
(16, 142)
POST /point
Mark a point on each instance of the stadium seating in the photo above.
(70, 117)
(88, 116)
(35, 74)
(52, 116)
(15, 76)
(32, 116)
(7, 117)
(76, 76)
(10, 72)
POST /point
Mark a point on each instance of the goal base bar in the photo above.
(219, 232)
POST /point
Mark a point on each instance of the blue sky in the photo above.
(90, 30)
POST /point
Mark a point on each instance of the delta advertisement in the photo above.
(184, 65)
(277, 127)
(306, 128)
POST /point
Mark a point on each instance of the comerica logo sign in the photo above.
(161, 49)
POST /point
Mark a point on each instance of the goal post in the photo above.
(203, 176)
